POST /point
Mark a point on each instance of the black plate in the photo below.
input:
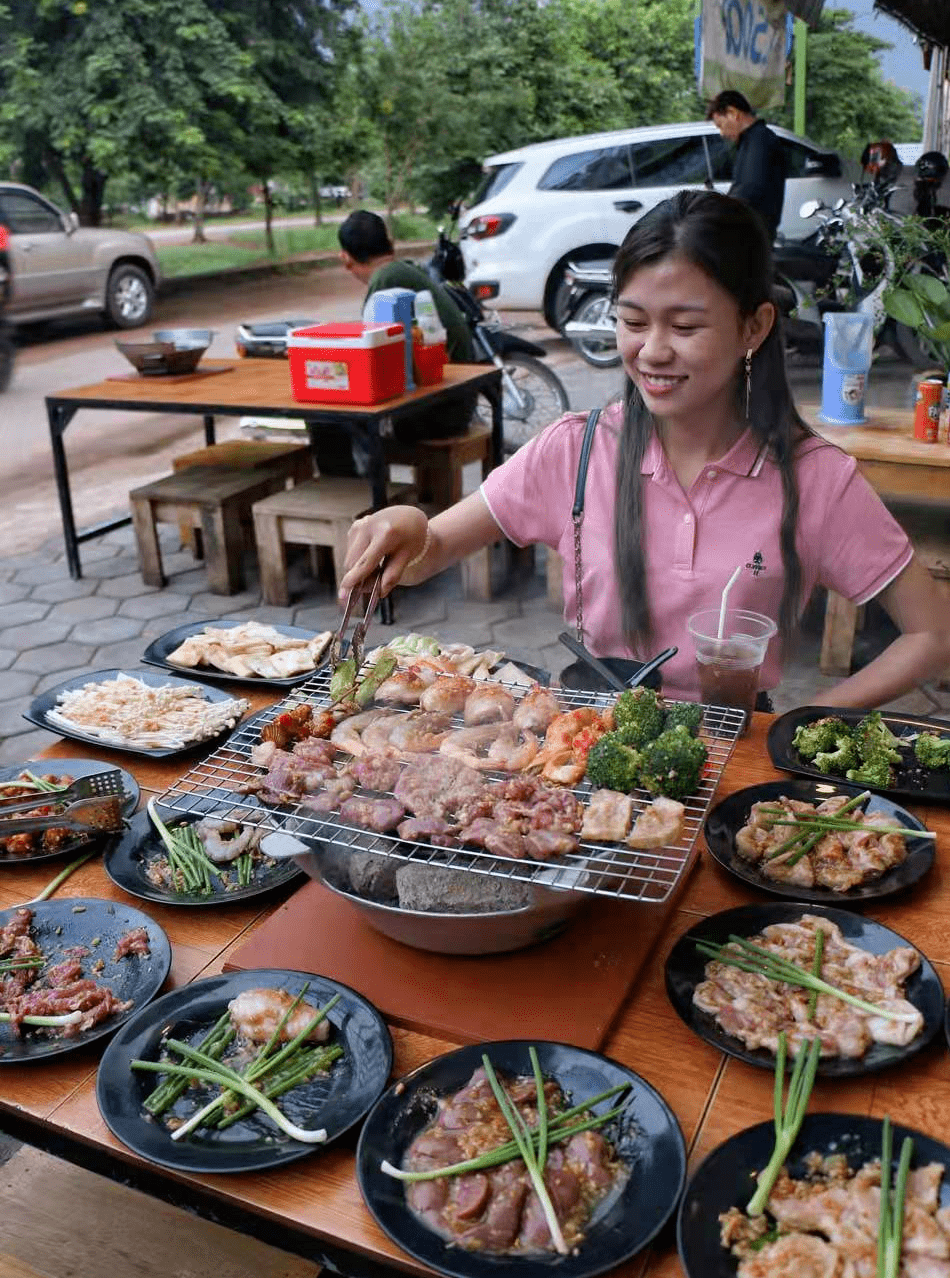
(156, 654)
(685, 969)
(70, 921)
(911, 782)
(724, 1179)
(646, 1135)
(73, 768)
(729, 816)
(126, 860)
(335, 1102)
(47, 701)
(579, 677)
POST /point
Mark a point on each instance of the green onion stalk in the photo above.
(788, 1118)
(891, 1219)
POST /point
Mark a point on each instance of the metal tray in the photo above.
(601, 869)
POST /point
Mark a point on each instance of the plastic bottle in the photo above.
(427, 317)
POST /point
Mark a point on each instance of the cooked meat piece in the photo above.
(536, 709)
(439, 787)
(336, 791)
(448, 694)
(372, 814)
(795, 1256)
(348, 733)
(256, 1014)
(135, 941)
(489, 703)
(658, 825)
(607, 818)
(419, 731)
(492, 745)
(405, 687)
(375, 771)
(225, 841)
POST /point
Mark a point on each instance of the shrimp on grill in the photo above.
(348, 734)
(256, 1014)
(536, 709)
(492, 745)
(558, 760)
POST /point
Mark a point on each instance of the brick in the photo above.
(53, 656)
(147, 607)
(34, 635)
(16, 683)
(90, 608)
(106, 630)
(55, 591)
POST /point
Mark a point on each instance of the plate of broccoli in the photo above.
(732, 814)
(895, 754)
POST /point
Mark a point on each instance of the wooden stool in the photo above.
(318, 513)
(438, 465)
(295, 460)
(210, 499)
(930, 534)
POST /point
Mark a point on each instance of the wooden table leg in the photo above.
(146, 535)
(224, 548)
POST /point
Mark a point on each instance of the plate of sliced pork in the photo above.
(820, 841)
(741, 977)
(823, 1212)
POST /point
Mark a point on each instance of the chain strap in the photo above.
(578, 578)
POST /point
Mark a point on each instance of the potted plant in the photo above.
(919, 296)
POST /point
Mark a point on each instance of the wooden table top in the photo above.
(887, 436)
(241, 386)
(712, 1096)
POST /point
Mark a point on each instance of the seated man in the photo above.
(368, 253)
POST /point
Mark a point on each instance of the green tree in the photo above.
(849, 101)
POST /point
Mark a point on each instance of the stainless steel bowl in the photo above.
(549, 910)
(185, 338)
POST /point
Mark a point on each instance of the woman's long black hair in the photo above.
(726, 240)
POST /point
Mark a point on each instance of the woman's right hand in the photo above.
(396, 534)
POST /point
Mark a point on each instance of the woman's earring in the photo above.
(748, 383)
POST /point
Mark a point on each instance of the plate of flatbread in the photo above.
(245, 651)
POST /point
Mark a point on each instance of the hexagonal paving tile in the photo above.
(53, 656)
(34, 634)
(90, 608)
(147, 607)
(106, 630)
(54, 591)
(128, 586)
(25, 745)
(23, 612)
(16, 683)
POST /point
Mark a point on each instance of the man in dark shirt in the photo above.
(758, 175)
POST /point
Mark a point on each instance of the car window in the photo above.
(24, 214)
(796, 157)
(721, 154)
(495, 178)
(670, 162)
(605, 169)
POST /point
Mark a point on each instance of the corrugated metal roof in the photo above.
(930, 19)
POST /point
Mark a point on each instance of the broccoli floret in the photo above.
(819, 736)
(876, 772)
(874, 740)
(932, 751)
(638, 713)
(613, 763)
(843, 757)
(673, 763)
(687, 713)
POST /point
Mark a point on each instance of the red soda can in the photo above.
(927, 409)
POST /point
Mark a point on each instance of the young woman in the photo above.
(705, 466)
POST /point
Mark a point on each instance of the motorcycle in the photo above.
(590, 325)
(533, 395)
(7, 348)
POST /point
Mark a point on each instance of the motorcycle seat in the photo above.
(801, 261)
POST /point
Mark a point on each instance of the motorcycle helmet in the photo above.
(881, 163)
(932, 167)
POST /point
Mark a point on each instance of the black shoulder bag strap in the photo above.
(577, 516)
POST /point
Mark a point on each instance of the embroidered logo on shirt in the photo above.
(757, 565)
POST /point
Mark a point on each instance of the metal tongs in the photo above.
(358, 637)
(99, 785)
(85, 816)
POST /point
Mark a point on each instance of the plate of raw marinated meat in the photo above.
(94, 963)
(791, 838)
(612, 1187)
(341, 1066)
(42, 778)
(826, 1203)
(740, 1011)
(242, 651)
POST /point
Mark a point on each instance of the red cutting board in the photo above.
(566, 989)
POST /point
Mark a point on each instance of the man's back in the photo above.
(758, 175)
(402, 273)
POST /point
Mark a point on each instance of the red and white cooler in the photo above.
(347, 363)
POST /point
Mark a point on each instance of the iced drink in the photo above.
(729, 667)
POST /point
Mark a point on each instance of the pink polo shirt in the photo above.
(694, 540)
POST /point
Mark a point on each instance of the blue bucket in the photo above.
(849, 344)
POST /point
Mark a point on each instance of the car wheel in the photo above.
(130, 295)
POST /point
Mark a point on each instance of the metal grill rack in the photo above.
(214, 787)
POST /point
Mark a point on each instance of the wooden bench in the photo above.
(438, 465)
(317, 513)
(929, 531)
(211, 500)
(295, 460)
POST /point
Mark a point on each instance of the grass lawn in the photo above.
(249, 248)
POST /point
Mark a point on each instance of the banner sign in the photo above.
(744, 44)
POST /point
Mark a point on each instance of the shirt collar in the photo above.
(744, 458)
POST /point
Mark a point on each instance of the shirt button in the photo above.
(687, 519)
(711, 474)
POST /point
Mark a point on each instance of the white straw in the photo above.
(725, 595)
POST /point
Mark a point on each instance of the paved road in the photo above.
(221, 230)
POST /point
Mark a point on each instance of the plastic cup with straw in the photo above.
(730, 646)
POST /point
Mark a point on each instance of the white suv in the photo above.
(574, 199)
